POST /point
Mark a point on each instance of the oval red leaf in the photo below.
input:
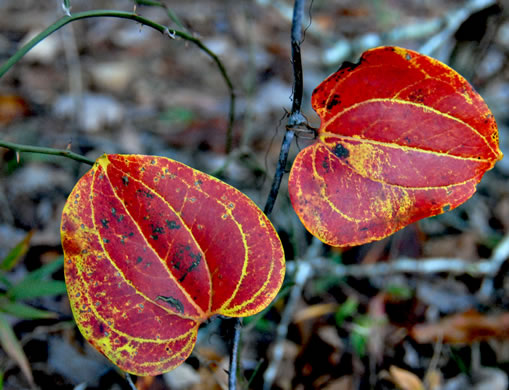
(402, 137)
(153, 248)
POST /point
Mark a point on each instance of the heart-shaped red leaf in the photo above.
(402, 137)
(153, 248)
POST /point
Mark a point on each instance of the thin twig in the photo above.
(453, 20)
(280, 170)
(147, 22)
(295, 118)
(42, 150)
(302, 272)
(234, 357)
(485, 268)
(435, 30)
(130, 381)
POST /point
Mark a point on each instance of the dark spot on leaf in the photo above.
(157, 229)
(105, 240)
(147, 193)
(333, 102)
(408, 56)
(194, 264)
(113, 211)
(197, 260)
(173, 302)
(325, 165)
(105, 223)
(340, 151)
(172, 224)
(154, 236)
(139, 260)
(153, 162)
(446, 208)
(125, 180)
(101, 328)
(363, 229)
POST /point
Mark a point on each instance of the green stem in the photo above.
(147, 22)
(41, 150)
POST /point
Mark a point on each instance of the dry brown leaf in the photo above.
(314, 311)
(433, 379)
(11, 108)
(405, 380)
(145, 382)
(14, 350)
(463, 328)
(343, 383)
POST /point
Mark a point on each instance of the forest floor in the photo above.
(427, 307)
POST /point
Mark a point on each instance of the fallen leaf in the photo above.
(405, 380)
(13, 349)
(12, 107)
(314, 311)
(463, 328)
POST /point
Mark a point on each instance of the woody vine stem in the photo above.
(295, 119)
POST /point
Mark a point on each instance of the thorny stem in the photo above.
(147, 22)
(41, 150)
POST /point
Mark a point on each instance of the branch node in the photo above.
(296, 119)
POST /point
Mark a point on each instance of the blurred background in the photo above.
(427, 306)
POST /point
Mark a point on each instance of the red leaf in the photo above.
(403, 137)
(153, 248)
